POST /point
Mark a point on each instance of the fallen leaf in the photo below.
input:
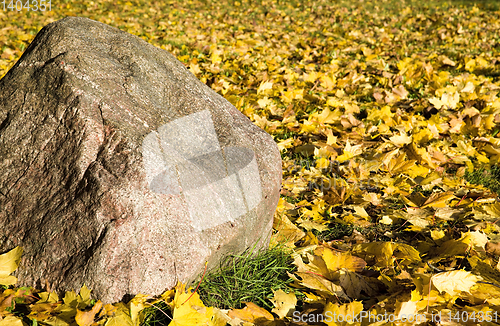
(437, 200)
(251, 313)
(86, 318)
(345, 314)
(353, 284)
(8, 264)
(284, 303)
(493, 248)
(454, 282)
(12, 321)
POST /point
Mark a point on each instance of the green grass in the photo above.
(250, 277)
(490, 178)
(159, 315)
(336, 230)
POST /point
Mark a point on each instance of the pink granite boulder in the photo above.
(120, 170)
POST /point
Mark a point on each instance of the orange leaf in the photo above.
(86, 318)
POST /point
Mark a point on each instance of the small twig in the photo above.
(160, 309)
(434, 268)
(315, 84)
(489, 283)
(206, 264)
(461, 200)
(451, 158)
(429, 294)
(401, 226)
(396, 260)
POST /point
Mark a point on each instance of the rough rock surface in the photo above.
(120, 170)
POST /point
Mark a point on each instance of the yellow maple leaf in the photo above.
(338, 192)
(137, 304)
(438, 199)
(406, 253)
(424, 135)
(385, 252)
(336, 261)
(328, 82)
(346, 314)
(195, 69)
(447, 100)
(454, 282)
(310, 239)
(43, 308)
(264, 87)
(437, 235)
(84, 297)
(284, 303)
(216, 54)
(401, 140)
(399, 165)
(291, 95)
(419, 154)
(251, 313)
(475, 239)
(327, 116)
(450, 248)
(108, 310)
(383, 114)
(312, 225)
(72, 304)
(287, 232)
(446, 61)
(386, 220)
(354, 283)
(8, 264)
(319, 283)
(121, 316)
(189, 309)
(316, 265)
(405, 309)
(285, 144)
(86, 318)
(264, 102)
(381, 251)
(350, 152)
(12, 321)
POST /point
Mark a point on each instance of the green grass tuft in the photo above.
(249, 277)
(336, 231)
(488, 178)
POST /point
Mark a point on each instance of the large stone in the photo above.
(120, 170)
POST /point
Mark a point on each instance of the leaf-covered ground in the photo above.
(387, 116)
